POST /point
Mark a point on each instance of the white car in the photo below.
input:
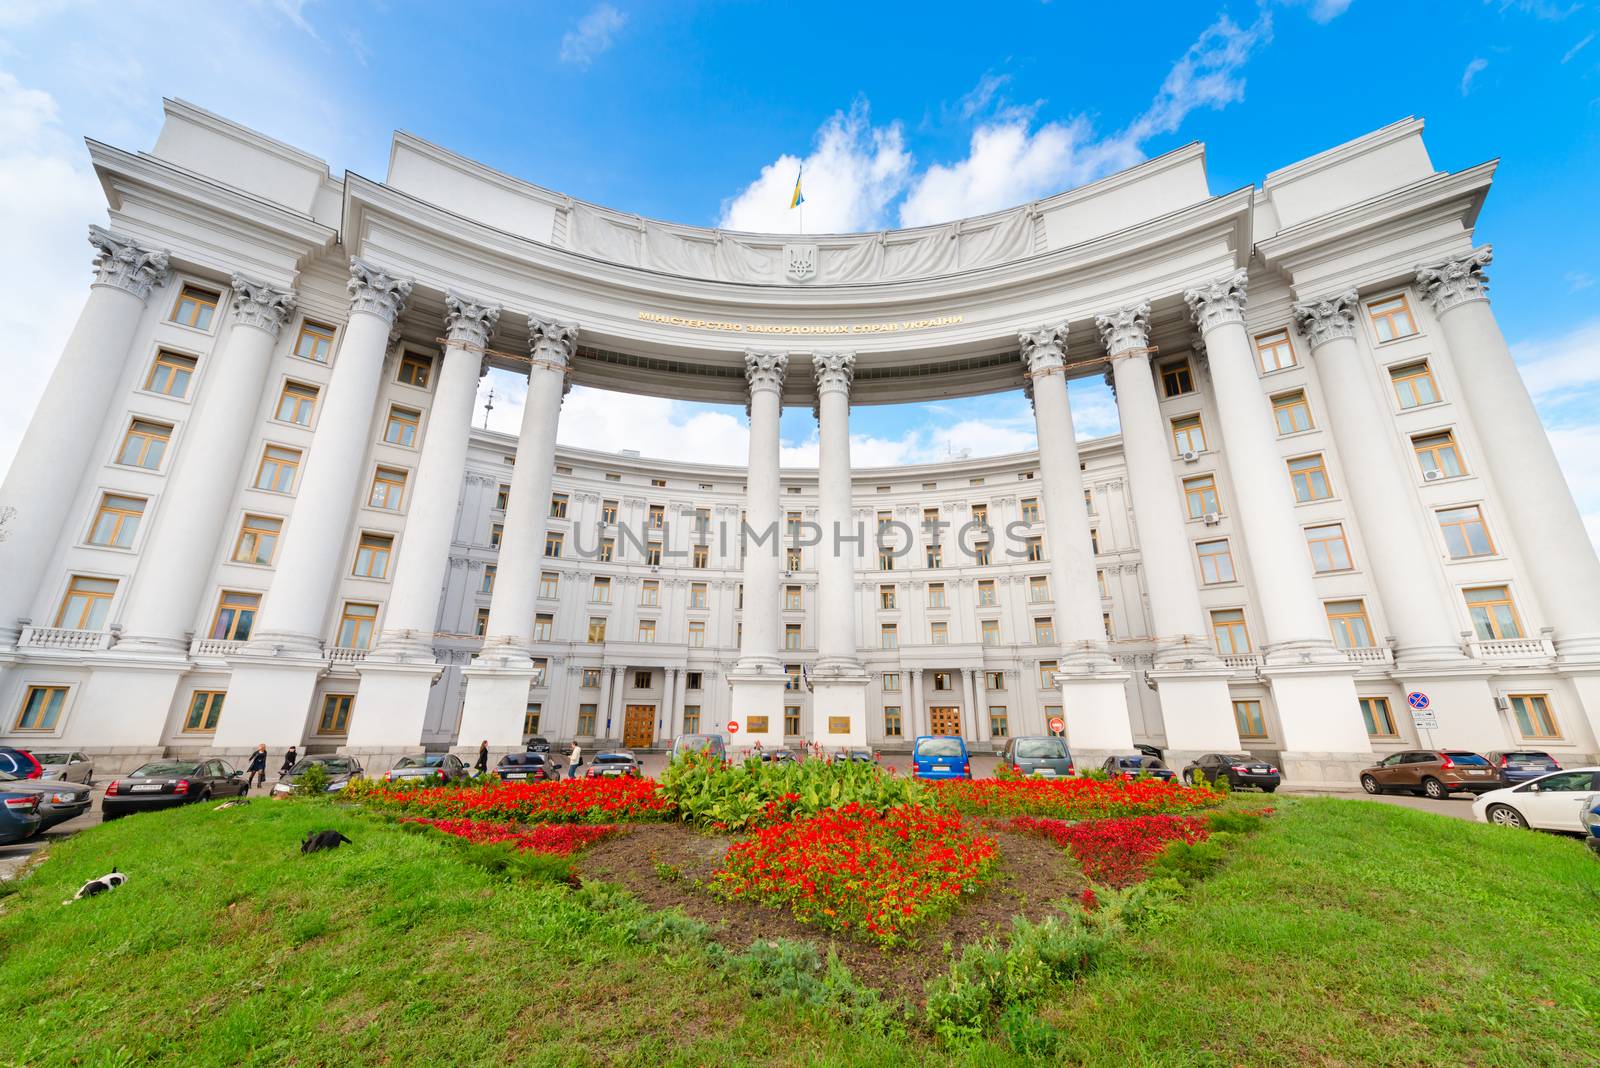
(1553, 802)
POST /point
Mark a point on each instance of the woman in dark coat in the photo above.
(483, 757)
(290, 759)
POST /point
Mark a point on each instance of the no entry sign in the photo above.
(733, 726)
(1057, 725)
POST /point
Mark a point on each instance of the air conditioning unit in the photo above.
(1503, 704)
(1190, 456)
(1213, 518)
(1432, 476)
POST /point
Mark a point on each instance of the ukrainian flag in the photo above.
(798, 198)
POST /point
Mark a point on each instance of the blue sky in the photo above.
(698, 112)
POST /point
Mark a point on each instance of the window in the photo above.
(608, 549)
(416, 369)
(1465, 534)
(888, 636)
(612, 476)
(885, 560)
(1275, 350)
(356, 624)
(481, 624)
(597, 630)
(402, 426)
(791, 720)
(701, 556)
(608, 512)
(980, 556)
(297, 403)
(558, 506)
(891, 721)
(1377, 717)
(530, 718)
(1105, 622)
(41, 708)
(697, 634)
(1292, 413)
(145, 444)
(1200, 495)
(1100, 581)
(277, 470)
(792, 599)
(980, 515)
(487, 583)
(1030, 509)
(999, 722)
(205, 708)
(1329, 550)
(335, 718)
(117, 521)
(1310, 478)
(936, 595)
(1038, 588)
(698, 594)
(86, 604)
(939, 632)
(1047, 674)
(1035, 548)
(656, 518)
(886, 597)
(1247, 716)
(1094, 541)
(1494, 617)
(986, 594)
(315, 342)
(552, 544)
(650, 593)
(236, 615)
(990, 629)
(1413, 385)
(590, 679)
(1348, 620)
(170, 374)
(1227, 626)
(586, 720)
(544, 625)
(941, 681)
(1088, 500)
(502, 497)
(372, 556)
(791, 559)
(647, 630)
(1391, 317)
(196, 307)
(975, 481)
(497, 534)
(1216, 562)
(1044, 631)
(791, 636)
(1532, 713)
(1176, 379)
(1437, 455)
(549, 585)
(994, 680)
(388, 489)
(1188, 435)
(258, 540)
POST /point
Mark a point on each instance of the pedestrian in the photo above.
(574, 758)
(256, 771)
(290, 759)
(483, 757)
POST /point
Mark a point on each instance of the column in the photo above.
(602, 708)
(839, 679)
(916, 723)
(969, 699)
(757, 677)
(401, 670)
(1190, 679)
(612, 727)
(54, 453)
(680, 695)
(668, 720)
(1093, 699)
(1312, 684)
(498, 680)
(275, 676)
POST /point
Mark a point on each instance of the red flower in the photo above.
(547, 838)
(1116, 852)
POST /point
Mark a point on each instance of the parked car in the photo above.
(1554, 802)
(855, 756)
(340, 770)
(1133, 765)
(1037, 754)
(538, 745)
(1241, 769)
(1591, 821)
(438, 767)
(700, 743)
(19, 816)
(527, 767)
(169, 783)
(1522, 765)
(68, 767)
(59, 800)
(779, 756)
(1435, 773)
(614, 764)
(940, 756)
(21, 763)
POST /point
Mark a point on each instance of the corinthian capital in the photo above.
(260, 305)
(1218, 303)
(551, 342)
(1126, 332)
(1329, 318)
(765, 370)
(1044, 350)
(834, 370)
(467, 322)
(119, 262)
(1455, 281)
(376, 291)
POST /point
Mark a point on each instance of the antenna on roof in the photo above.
(488, 406)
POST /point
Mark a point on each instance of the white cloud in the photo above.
(592, 36)
(1328, 10)
(1474, 68)
(1563, 374)
(1575, 49)
(1539, 9)
(1577, 280)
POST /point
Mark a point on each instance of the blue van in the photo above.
(939, 756)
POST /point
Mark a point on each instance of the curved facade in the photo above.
(251, 506)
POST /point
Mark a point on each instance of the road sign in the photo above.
(1424, 721)
(1417, 700)
(1057, 725)
(733, 726)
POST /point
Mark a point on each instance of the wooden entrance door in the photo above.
(638, 726)
(944, 720)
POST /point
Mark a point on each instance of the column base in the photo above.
(1305, 654)
(1587, 685)
(269, 700)
(497, 702)
(1317, 708)
(1197, 710)
(756, 698)
(1096, 710)
(391, 706)
(839, 702)
(150, 645)
(280, 643)
(403, 647)
(1341, 770)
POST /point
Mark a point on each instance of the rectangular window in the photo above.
(335, 718)
(145, 444)
(590, 679)
(1038, 588)
(1329, 550)
(1465, 534)
(402, 426)
(549, 585)
(891, 681)
(1177, 379)
(597, 630)
(1030, 509)
(986, 594)
(647, 630)
(608, 549)
(691, 719)
(792, 599)
(1105, 622)
(1391, 317)
(236, 616)
(656, 518)
(697, 634)
(1413, 385)
(1047, 674)
(994, 680)
(258, 540)
(791, 720)
(196, 307)
(372, 556)
(497, 533)
(1275, 350)
(1437, 456)
(1348, 621)
(416, 369)
(792, 677)
(980, 515)
(1292, 413)
(698, 595)
(41, 708)
(1494, 617)
(530, 719)
(999, 722)
(608, 512)
(650, 593)
(278, 468)
(1088, 500)
(502, 497)
(1532, 713)
(1044, 631)
(170, 374)
(936, 595)
(205, 708)
(942, 681)
(885, 560)
(1100, 581)
(552, 544)
(356, 625)
(1094, 542)
(1247, 716)
(481, 624)
(1188, 435)
(388, 489)
(487, 583)
(587, 714)
(544, 625)
(1216, 562)
(1379, 720)
(980, 556)
(791, 636)
(1035, 548)
(701, 556)
(86, 604)
(652, 556)
(1200, 495)
(600, 591)
(888, 636)
(117, 521)
(886, 597)
(1310, 478)
(558, 506)
(891, 721)
(297, 403)
(1227, 626)
(659, 483)
(990, 631)
(939, 632)
(315, 342)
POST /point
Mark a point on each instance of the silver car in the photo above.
(69, 767)
(58, 801)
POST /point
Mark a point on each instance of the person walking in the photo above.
(574, 758)
(256, 770)
(483, 757)
(290, 759)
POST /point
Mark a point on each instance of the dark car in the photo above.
(527, 767)
(59, 800)
(1043, 755)
(169, 783)
(614, 764)
(434, 768)
(1133, 765)
(341, 771)
(19, 816)
(538, 745)
(1521, 765)
(1240, 769)
(779, 756)
(20, 762)
(1435, 773)
(855, 756)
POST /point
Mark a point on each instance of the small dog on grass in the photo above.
(317, 841)
(98, 886)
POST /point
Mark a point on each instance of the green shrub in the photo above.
(1144, 906)
(1028, 1034)
(788, 969)
(313, 782)
(1235, 822)
(669, 926)
(709, 793)
(1187, 862)
(502, 859)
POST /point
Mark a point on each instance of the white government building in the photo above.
(252, 505)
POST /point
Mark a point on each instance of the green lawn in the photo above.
(1343, 933)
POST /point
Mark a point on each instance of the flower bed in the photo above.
(1115, 852)
(855, 869)
(569, 801)
(1073, 799)
(562, 838)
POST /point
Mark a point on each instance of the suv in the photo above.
(20, 762)
(1523, 765)
(1037, 754)
(940, 756)
(711, 744)
(1435, 773)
